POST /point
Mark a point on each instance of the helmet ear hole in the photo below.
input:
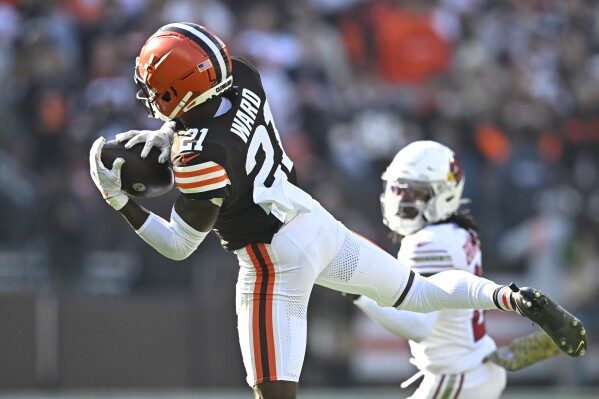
(166, 96)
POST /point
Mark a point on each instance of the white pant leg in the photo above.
(485, 381)
(363, 268)
(273, 289)
(453, 289)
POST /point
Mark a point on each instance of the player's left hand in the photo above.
(107, 180)
(162, 139)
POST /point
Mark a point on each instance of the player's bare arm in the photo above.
(199, 214)
(135, 214)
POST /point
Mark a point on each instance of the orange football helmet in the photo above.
(181, 66)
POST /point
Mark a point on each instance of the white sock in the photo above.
(453, 289)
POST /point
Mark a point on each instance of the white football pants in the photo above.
(276, 279)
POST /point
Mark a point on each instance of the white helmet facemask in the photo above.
(404, 203)
(423, 185)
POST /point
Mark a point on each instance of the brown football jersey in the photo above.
(229, 155)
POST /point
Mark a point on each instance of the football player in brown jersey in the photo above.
(236, 179)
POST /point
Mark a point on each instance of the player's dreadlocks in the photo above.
(464, 219)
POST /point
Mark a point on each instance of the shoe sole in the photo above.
(564, 329)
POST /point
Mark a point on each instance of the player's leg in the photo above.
(453, 289)
(448, 289)
(276, 389)
(274, 286)
(435, 386)
(362, 268)
(271, 323)
(272, 302)
(485, 381)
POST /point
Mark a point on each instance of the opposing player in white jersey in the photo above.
(235, 178)
(448, 346)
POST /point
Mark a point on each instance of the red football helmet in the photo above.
(181, 66)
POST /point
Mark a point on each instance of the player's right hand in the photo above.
(161, 139)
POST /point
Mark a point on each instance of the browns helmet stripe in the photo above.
(216, 42)
(205, 42)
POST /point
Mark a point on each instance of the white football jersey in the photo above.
(458, 340)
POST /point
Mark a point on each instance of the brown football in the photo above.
(140, 177)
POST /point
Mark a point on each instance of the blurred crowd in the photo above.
(512, 86)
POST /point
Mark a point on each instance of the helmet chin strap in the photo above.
(158, 114)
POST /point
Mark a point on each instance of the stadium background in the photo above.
(511, 86)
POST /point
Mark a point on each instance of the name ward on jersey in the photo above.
(244, 119)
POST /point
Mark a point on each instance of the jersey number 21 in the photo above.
(276, 162)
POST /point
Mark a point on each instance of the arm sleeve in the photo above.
(174, 239)
(525, 351)
(408, 325)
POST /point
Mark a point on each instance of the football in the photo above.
(140, 177)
